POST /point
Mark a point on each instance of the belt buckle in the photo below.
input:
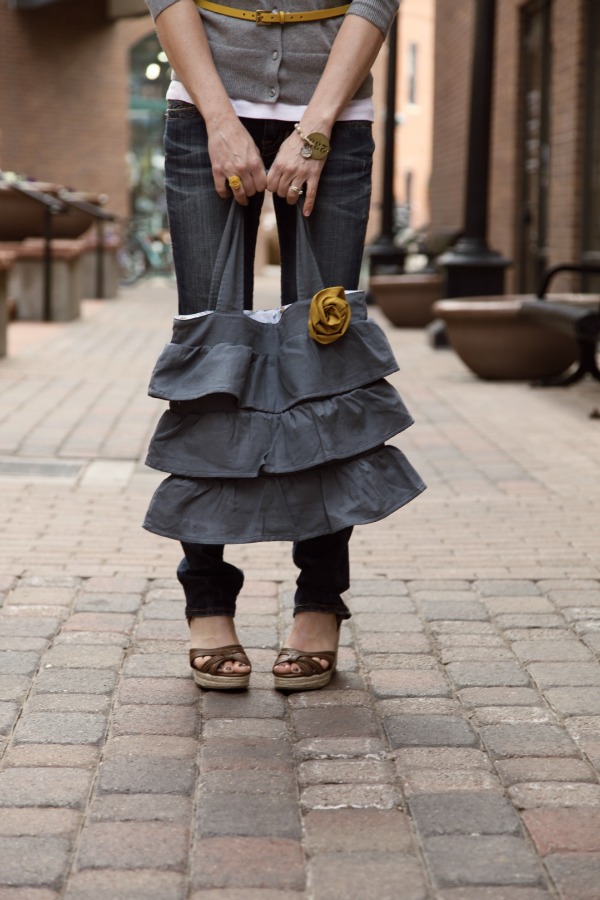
(261, 13)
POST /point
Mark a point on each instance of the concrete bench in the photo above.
(66, 288)
(7, 258)
(61, 217)
(101, 267)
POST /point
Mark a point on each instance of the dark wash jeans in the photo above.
(337, 228)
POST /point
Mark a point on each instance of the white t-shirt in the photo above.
(356, 110)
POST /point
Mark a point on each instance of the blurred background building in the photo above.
(413, 116)
(82, 102)
(545, 143)
(65, 92)
(414, 110)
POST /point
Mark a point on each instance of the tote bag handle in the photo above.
(227, 285)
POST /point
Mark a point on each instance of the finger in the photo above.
(221, 186)
(235, 182)
(291, 184)
(250, 183)
(272, 181)
(280, 177)
(311, 196)
(259, 178)
(283, 188)
(221, 181)
(294, 193)
(254, 184)
(236, 186)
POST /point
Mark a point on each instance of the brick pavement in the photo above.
(454, 757)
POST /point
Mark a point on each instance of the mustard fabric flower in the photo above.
(329, 315)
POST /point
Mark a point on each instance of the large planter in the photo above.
(23, 217)
(406, 300)
(496, 342)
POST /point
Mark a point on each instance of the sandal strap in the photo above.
(305, 661)
(218, 655)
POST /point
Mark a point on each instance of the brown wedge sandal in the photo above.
(207, 675)
(312, 675)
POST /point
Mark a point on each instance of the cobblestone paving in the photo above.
(454, 757)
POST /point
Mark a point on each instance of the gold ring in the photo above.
(298, 190)
(235, 182)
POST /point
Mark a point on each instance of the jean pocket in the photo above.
(355, 131)
(180, 109)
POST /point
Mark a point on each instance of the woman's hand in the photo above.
(352, 55)
(233, 152)
(291, 175)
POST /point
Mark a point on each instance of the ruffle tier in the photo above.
(269, 367)
(244, 443)
(291, 507)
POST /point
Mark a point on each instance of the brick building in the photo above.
(64, 91)
(414, 108)
(544, 204)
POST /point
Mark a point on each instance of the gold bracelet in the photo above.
(316, 145)
(306, 140)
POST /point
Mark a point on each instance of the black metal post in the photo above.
(387, 198)
(384, 256)
(480, 120)
(471, 268)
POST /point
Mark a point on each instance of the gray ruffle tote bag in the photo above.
(271, 434)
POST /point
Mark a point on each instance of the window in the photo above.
(412, 73)
(408, 188)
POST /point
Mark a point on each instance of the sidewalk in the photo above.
(454, 757)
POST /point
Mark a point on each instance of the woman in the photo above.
(256, 103)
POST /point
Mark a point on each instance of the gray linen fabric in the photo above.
(270, 435)
(269, 367)
(292, 507)
(244, 443)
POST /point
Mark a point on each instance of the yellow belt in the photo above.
(266, 17)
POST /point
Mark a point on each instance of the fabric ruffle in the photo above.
(240, 443)
(269, 367)
(291, 507)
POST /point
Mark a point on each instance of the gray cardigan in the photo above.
(266, 64)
